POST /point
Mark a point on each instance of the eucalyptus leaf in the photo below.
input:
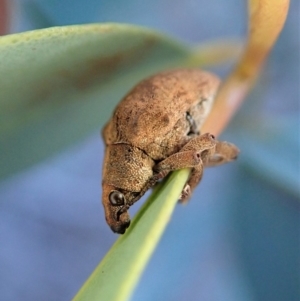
(116, 276)
(59, 84)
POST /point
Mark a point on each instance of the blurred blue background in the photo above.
(237, 240)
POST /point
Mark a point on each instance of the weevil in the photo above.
(155, 130)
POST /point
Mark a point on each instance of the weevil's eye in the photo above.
(116, 198)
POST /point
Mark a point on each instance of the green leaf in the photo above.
(116, 276)
(59, 84)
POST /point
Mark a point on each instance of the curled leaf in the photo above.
(266, 19)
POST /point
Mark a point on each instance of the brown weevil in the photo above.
(155, 130)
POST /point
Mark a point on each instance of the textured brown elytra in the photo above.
(155, 130)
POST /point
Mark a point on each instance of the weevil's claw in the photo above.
(185, 194)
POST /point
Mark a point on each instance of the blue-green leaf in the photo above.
(58, 84)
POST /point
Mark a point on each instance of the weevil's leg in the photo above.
(190, 155)
(224, 152)
(193, 181)
(176, 161)
(200, 143)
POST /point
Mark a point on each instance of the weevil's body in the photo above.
(155, 129)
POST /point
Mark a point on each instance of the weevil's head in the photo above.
(126, 170)
(116, 208)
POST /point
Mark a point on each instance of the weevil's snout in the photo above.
(115, 208)
(122, 224)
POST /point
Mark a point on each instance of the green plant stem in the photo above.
(118, 273)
